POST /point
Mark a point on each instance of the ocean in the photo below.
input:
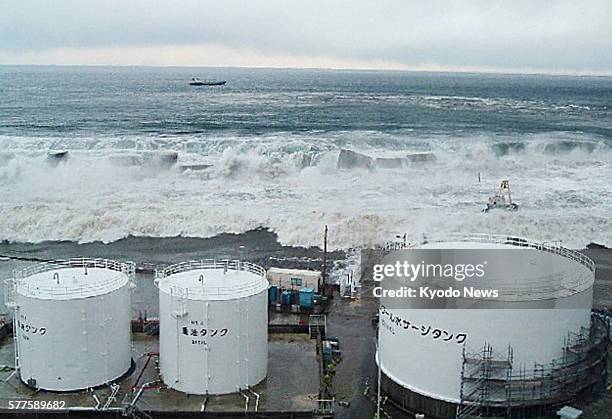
(272, 138)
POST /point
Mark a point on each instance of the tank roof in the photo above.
(552, 272)
(212, 280)
(494, 241)
(69, 283)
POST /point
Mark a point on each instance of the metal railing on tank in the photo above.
(549, 247)
(23, 286)
(212, 264)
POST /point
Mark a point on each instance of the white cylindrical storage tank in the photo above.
(213, 326)
(424, 373)
(72, 323)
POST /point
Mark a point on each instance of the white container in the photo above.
(72, 323)
(213, 326)
(432, 368)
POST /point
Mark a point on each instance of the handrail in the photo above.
(128, 268)
(23, 286)
(503, 239)
(230, 265)
(233, 265)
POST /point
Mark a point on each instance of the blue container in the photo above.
(286, 298)
(306, 297)
(272, 294)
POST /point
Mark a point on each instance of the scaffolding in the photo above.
(492, 388)
(484, 376)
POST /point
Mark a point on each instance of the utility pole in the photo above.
(324, 273)
(379, 376)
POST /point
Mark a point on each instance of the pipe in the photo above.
(10, 376)
(144, 367)
(246, 403)
(144, 387)
(256, 398)
(91, 409)
(111, 398)
(95, 397)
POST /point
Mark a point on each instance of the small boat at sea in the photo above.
(502, 199)
(197, 82)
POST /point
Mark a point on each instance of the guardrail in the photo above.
(128, 268)
(502, 239)
(21, 284)
(233, 265)
(208, 291)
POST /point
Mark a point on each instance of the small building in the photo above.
(294, 279)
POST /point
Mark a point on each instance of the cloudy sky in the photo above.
(553, 36)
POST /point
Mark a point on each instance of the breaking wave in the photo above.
(289, 183)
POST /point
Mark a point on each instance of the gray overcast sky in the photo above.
(538, 35)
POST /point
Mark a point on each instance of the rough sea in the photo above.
(273, 138)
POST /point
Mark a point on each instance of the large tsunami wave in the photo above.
(289, 183)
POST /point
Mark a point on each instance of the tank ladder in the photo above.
(10, 290)
(178, 309)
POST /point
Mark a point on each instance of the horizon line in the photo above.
(509, 72)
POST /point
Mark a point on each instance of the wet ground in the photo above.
(350, 320)
(292, 383)
(259, 246)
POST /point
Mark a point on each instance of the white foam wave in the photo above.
(290, 184)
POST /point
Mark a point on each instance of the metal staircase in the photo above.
(484, 382)
(317, 325)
